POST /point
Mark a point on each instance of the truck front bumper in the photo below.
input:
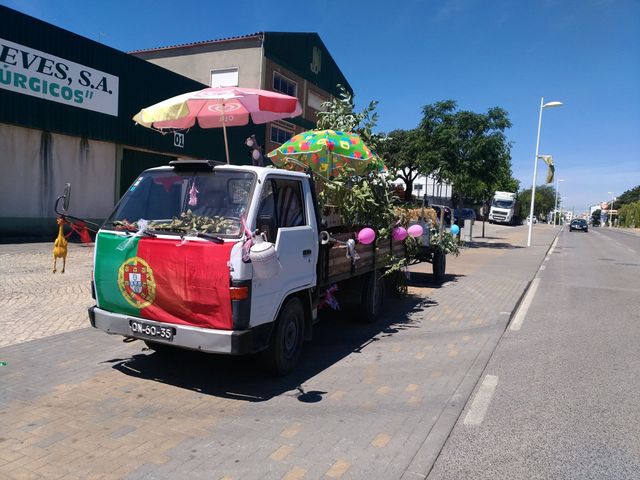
(209, 340)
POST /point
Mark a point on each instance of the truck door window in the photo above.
(266, 221)
(289, 209)
(281, 206)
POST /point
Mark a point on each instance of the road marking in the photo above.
(480, 404)
(631, 250)
(553, 246)
(542, 267)
(524, 306)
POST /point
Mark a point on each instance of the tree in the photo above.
(483, 153)
(468, 149)
(630, 196)
(339, 114)
(629, 215)
(595, 218)
(544, 203)
(402, 155)
(420, 151)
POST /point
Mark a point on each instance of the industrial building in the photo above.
(68, 102)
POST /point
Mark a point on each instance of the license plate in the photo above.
(148, 330)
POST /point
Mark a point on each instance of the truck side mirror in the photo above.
(266, 225)
(67, 197)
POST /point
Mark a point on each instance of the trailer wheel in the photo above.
(439, 263)
(285, 344)
(373, 297)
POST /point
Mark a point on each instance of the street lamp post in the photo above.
(611, 209)
(555, 209)
(535, 165)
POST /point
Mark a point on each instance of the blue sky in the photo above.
(409, 53)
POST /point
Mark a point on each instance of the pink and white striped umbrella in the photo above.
(219, 107)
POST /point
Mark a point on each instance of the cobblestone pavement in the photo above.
(37, 303)
(367, 401)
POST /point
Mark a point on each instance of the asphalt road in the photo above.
(559, 398)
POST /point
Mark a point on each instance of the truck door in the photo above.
(285, 214)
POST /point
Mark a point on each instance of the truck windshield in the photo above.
(502, 203)
(185, 202)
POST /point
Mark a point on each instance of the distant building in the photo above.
(297, 64)
(433, 191)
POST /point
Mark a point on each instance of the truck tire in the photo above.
(373, 294)
(285, 344)
(439, 264)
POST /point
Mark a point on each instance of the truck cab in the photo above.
(503, 208)
(171, 264)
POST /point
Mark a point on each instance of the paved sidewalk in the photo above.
(36, 303)
(368, 401)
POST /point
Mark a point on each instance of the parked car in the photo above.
(579, 224)
(447, 214)
(464, 214)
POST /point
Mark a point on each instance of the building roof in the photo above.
(198, 44)
(289, 49)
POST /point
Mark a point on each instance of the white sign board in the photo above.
(32, 72)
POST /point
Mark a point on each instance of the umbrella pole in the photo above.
(226, 145)
(224, 129)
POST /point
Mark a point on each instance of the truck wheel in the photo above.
(439, 263)
(373, 297)
(285, 344)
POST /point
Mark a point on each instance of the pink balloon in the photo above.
(366, 235)
(415, 230)
(399, 234)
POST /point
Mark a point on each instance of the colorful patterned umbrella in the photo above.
(325, 152)
(219, 107)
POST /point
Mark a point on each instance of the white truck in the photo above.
(504, 208)
(233, 260)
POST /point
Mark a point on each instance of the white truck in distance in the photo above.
(503, 208)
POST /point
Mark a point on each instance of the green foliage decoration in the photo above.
(188, 222)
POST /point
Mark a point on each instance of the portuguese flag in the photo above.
(164, 279)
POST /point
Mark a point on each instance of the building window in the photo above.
(315, 101)
(283, 85)
(279, 134)
(224, 77)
